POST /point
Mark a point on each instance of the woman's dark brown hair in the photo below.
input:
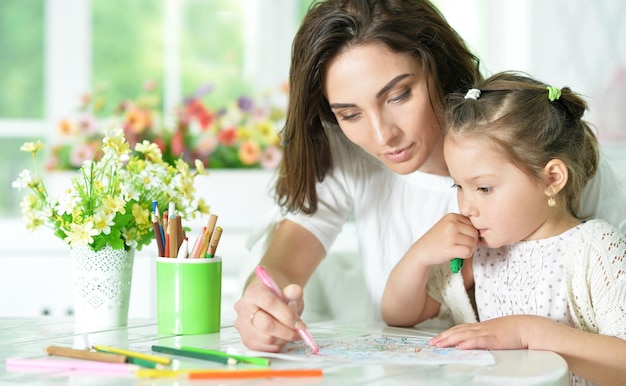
(415, 27)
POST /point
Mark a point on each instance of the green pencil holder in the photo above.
(189, 295)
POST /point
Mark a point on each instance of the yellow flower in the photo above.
(114, 205)
(33, 220)
(150, 150)
(200, 168)
(202, 206)
(32, 147)
(141, 214)
(80, 235)
(116, 142)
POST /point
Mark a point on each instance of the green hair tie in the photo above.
(553, 93)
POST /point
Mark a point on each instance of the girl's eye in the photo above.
(401, 97)
(457, 186)
(485, 189)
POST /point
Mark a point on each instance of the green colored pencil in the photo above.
(144, 363)
(193, 354)
(240, 358)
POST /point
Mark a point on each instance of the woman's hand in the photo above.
(266, 322)
(504, 333)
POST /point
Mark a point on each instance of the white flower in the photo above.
(23, 180)
(103, 221)
(66, 203)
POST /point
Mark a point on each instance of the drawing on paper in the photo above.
(386, 350)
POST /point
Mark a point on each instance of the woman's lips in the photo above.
(399, 155)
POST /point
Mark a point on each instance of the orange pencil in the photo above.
(254, 373)
(198, 244)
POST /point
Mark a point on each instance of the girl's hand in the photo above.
(452, 236)
(504, 333)
(265, 322)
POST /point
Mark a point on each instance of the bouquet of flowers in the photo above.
(110, 201)
(241, 134)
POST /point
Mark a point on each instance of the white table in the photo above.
(27, 338)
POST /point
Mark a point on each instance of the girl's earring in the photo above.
(551, 202)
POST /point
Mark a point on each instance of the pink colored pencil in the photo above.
(195, 251)
(73, 365)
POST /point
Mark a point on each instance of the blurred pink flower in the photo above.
(270, 157)
(80, 154)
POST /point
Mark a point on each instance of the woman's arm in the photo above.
(597, 358)
(292, 256)
(405, 300)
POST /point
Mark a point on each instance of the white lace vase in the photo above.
(102, 282)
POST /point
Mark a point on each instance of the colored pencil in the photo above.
(157, 235)
(144, 363)
(210, 228)
(74, 365)
(173, 232)
(260, 361)
(215, 239)
(128, 353)
(254, 373)
(194, 354)
(67, 352)
(195, 251)
(230, 373)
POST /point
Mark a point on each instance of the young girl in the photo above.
(545, 277)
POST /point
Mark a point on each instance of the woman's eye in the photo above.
(348, 117)
(401, 97)
(485, 189)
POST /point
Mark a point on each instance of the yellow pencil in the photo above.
(148, 357)
(150, 373)
(210, 227)
(214, 241)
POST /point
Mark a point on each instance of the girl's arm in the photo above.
(405, 300)
(597, 358)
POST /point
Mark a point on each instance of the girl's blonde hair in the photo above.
(515, 112)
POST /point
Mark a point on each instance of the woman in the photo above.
(363, 138)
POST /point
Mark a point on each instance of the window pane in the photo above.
(127, 47)
(212, 49)
(21, 58)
